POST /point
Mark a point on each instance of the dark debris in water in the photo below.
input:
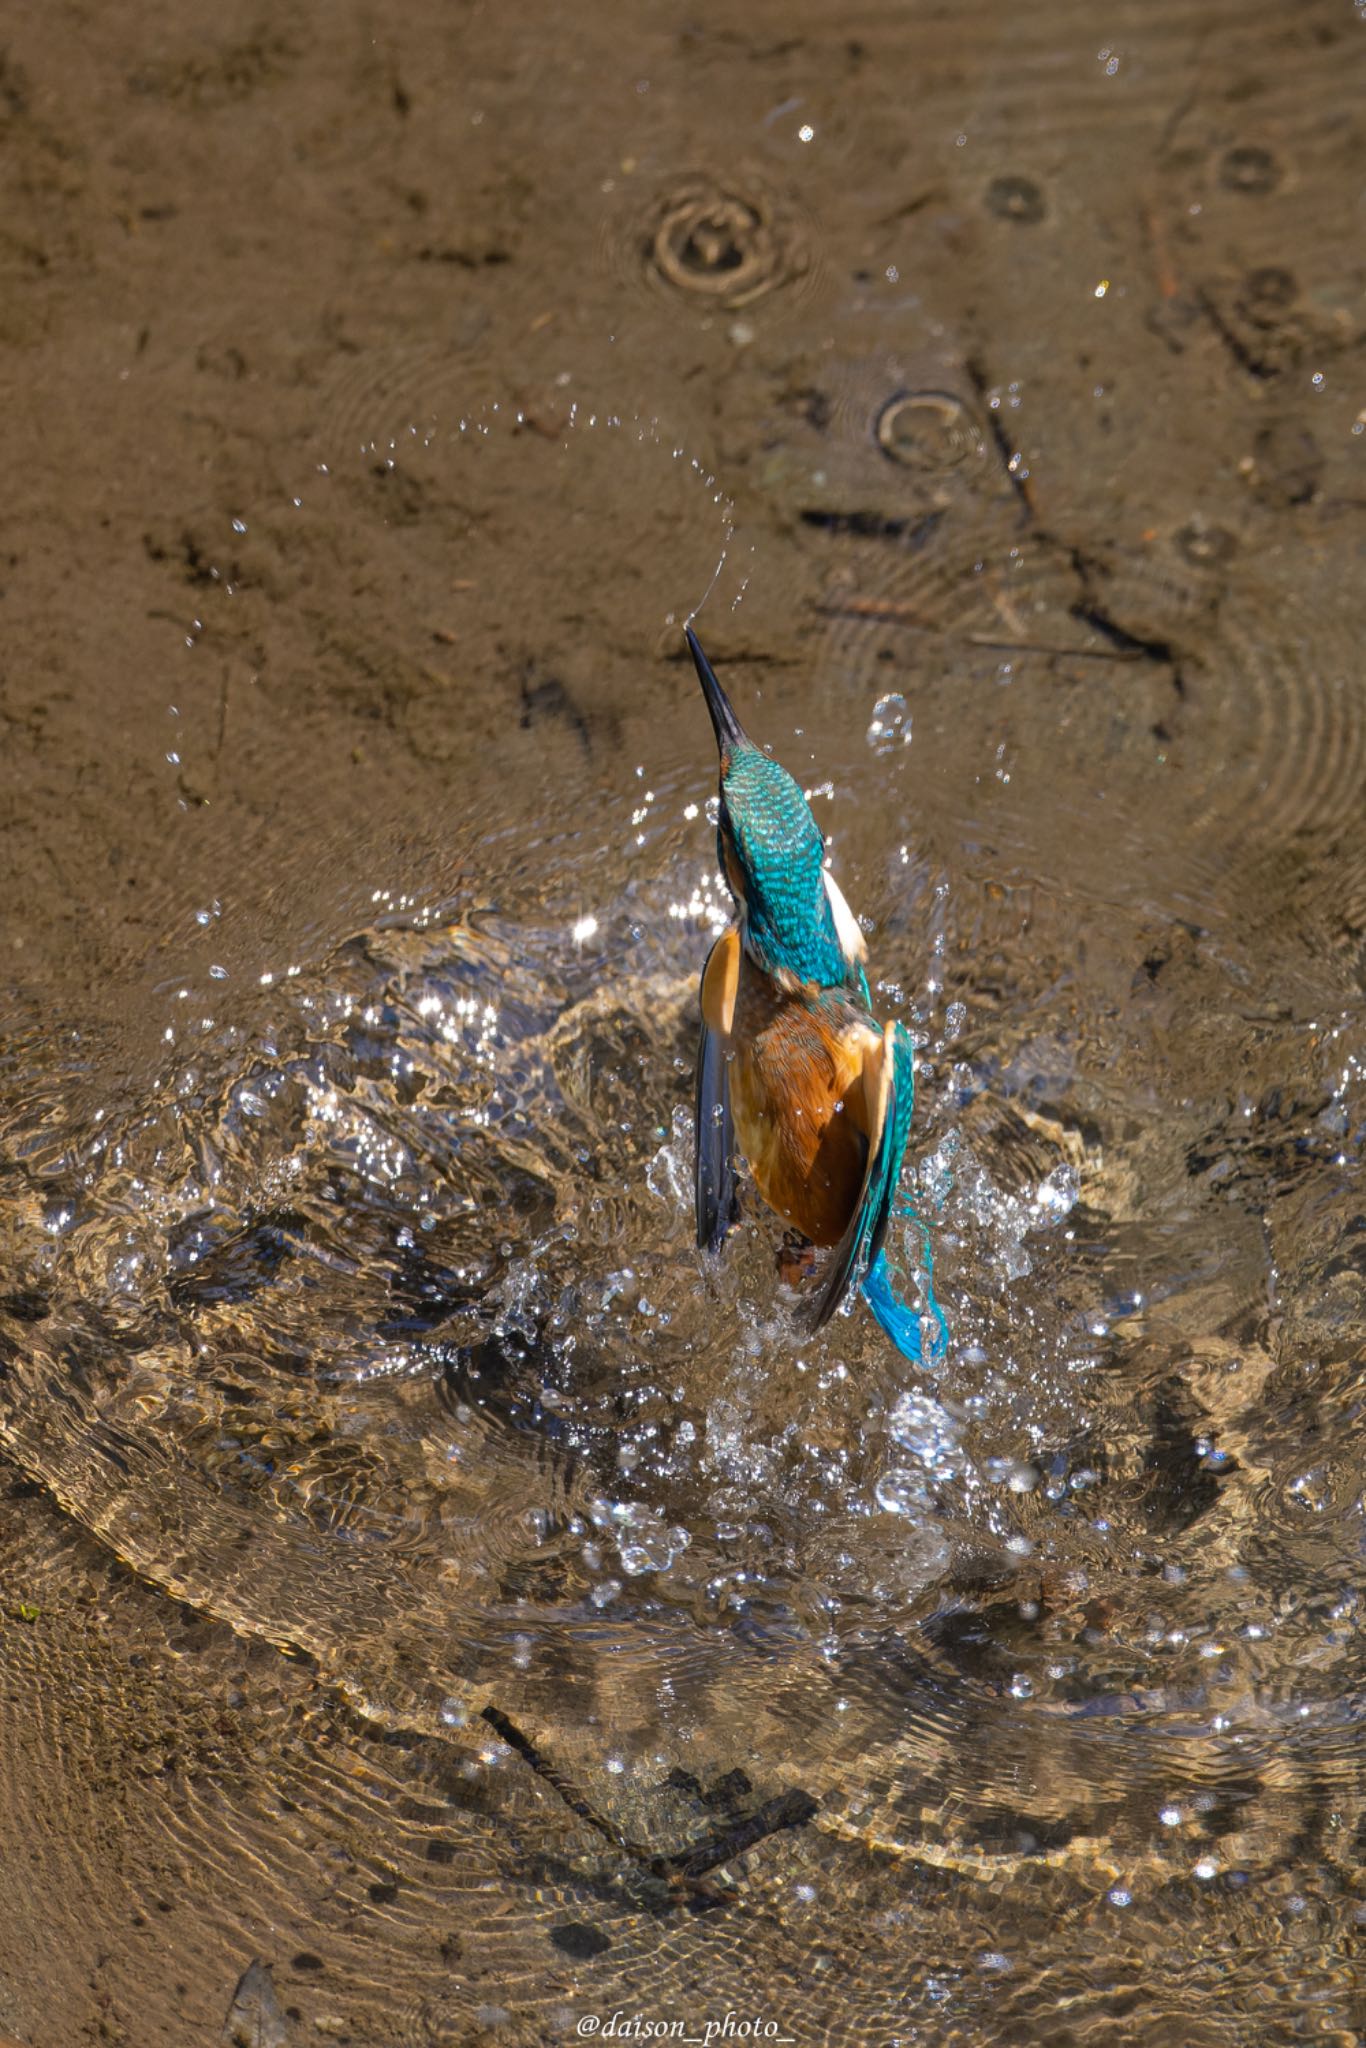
(580, 1941)
(255, 2018)
(1180, 1486)
(744, 1824)
(25, 1306)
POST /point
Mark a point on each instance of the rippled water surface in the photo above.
(435, 1596)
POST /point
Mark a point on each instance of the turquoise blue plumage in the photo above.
(901, 1323)
(790, 923)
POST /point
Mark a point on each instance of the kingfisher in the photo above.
(792, 1064)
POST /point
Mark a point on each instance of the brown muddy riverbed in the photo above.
(433, 1609)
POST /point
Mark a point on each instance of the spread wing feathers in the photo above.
(714, 1184)
(889, 1091)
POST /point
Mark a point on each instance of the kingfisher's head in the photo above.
(794, 921)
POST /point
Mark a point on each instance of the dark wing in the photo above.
(714, 1183)
(889, 1094)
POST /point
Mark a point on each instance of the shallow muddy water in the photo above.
(437, 1605)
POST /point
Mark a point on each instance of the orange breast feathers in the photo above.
(797, 1090)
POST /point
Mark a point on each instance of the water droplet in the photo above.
(900, 1491)
(890, 726)
(928, 1430)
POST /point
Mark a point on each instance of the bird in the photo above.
(793, 1068)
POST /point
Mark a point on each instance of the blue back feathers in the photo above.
(789, 922)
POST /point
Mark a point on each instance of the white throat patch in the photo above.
(853, 945)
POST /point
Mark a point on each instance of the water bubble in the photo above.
(646, 1542)
(926, 1429)
(900, 1491)
(1311, 1490)
(890, 726)
(1056, 1195)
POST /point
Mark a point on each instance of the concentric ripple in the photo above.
(1173, 682)
(928, 430)
(369, 397)
(722, 241)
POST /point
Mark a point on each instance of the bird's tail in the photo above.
(904, 1325)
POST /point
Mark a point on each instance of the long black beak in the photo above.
(730, 734)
